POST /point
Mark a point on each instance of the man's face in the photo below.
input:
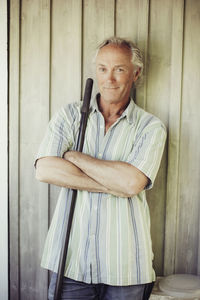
(115, 75)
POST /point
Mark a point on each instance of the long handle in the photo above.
(79, 147)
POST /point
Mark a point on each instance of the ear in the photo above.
(136, 74)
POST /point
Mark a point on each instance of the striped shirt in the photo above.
(110, 239)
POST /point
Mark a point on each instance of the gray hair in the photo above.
(137, 57)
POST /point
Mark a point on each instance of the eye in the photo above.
(120, 70)
(102, 69)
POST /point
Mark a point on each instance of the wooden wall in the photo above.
(3, 152)
(51, 48)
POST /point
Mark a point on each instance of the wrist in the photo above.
(68, 155)
(71, 156)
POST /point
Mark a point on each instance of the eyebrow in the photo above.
(114, 66)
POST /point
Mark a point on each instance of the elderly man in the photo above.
(110, 252)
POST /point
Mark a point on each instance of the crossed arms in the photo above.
(83, 172)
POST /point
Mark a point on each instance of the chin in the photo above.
(112, 99)
(109, 96)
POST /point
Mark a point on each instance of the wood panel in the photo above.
(52, 44)
(66, 52)
(3, 151)
(174, 137)
(127, 23)
(142, 42)
(14, 148)
(132, 20)
(158, 93)
(34, 116)
(127, 19)
(98, 24)
(189, 189)
(66, 66)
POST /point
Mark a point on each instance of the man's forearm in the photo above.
(117, 176)
(58, 171)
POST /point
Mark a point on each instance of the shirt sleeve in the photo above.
(58, 137)
(148, 150)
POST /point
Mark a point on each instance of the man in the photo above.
(110, 253)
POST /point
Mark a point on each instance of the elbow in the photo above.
(39, 172)
(135, 187)
(128, 190)
(131, 190)
(39, 175)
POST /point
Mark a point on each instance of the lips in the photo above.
(111, 88)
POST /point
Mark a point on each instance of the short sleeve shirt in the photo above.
(110, 238)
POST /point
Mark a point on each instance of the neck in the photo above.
(110, 110)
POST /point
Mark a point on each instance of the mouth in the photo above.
(111, 88)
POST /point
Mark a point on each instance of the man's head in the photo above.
(118, 64)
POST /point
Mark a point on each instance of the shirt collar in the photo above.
(129, 112)
(94, 105)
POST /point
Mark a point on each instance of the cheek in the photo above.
(100, 79)
(127, 81)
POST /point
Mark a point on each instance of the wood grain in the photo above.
(157, 103)
(34, 116)
(66, 65)
(127, 20)
(142, 42)
(52, 44)
(3, 151)
(189, 176)
(14, 149)
(174, 137)
(98, 24)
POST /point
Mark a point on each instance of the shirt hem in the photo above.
(105, 281)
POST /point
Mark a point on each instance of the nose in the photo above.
(110, 76)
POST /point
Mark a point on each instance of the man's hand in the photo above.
(117, 176)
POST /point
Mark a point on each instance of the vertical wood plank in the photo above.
(3, 151)
(158, 93)
(127, 23)
(14, 148)
(133, 22)
(34, 115)
(66, 52)
(127, 19)
(98, 24)
(174, 137)
(66, 67)
(142, 42)
(189, 172)
(76, 31)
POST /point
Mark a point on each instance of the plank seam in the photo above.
(176, 195)
(180, 129)
(19, 134)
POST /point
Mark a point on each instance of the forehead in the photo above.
(114, 54)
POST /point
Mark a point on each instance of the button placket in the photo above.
(92, 237)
